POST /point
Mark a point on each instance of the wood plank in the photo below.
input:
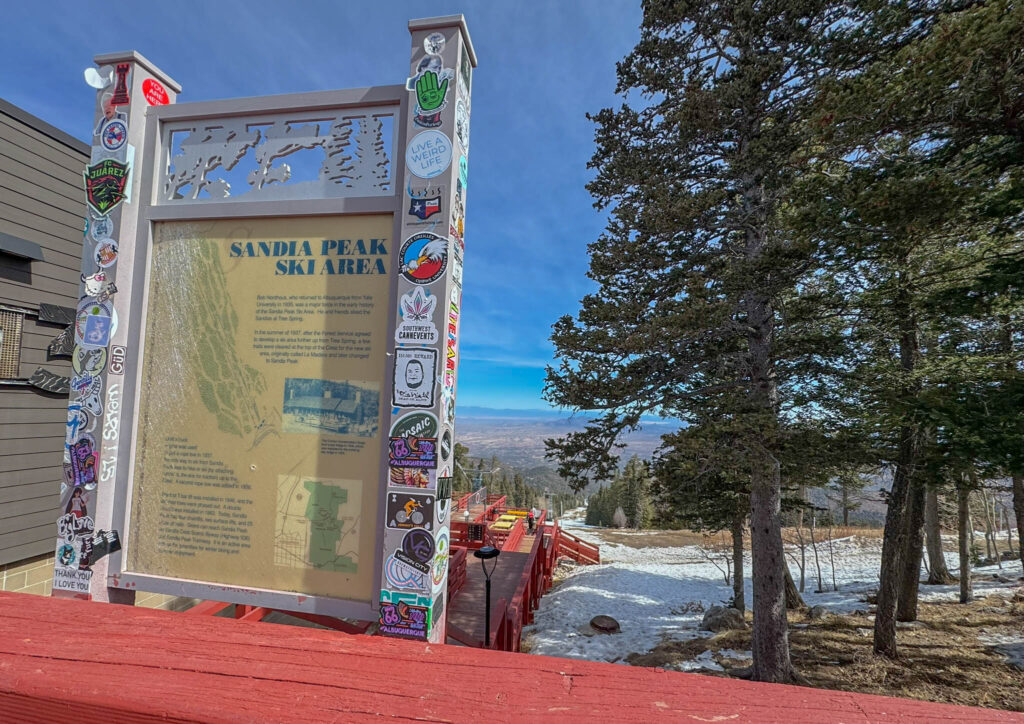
(11, 188)
(126, 662)
(46, 544)
(17, 133)
(23, 430)
(64, 214)
(67, 228)
(41, 291)
(61, 172)
(29, 176)
(23, 398)
(30, 461)
(36, 475)
(12, 493)
(32, 445)
(45, 531)
(10, 528)
(48, 504)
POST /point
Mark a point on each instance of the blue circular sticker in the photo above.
(113, 135)
(429, 154)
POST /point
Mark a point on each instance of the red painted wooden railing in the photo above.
(577, 549)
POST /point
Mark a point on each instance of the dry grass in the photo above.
(942, 660)
(717, 541)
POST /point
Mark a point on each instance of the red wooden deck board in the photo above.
(100, 662)
(466, 609)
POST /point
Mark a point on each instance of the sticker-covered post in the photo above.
(126, 84)
(414, 578)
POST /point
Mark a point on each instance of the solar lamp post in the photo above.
(487, 553)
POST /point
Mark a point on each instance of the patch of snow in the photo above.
(703, 661)
(658, 594)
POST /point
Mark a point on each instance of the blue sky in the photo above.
(543, 66)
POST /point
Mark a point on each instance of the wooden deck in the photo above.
(67, 660)
(466, 610)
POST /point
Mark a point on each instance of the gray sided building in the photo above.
(42, 211)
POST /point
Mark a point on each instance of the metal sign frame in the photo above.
(155, 154)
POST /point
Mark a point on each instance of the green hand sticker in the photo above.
(429, 95)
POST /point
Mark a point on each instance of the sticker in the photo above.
(396, 597)
(78, 423)
(91, 396)
(444, 497)
(463, 172)
(418, 546)
(409, 510)
(66, 575)
(103, 543)
(72, 528)
(429, 154)
(88, 361)
(105, 184)
(433, 44)
(78, 503)
(404, 620)
(420, 424)
(118, 355)
(412, 452)
(93, 323)
(154, 92)
(96, 284)
(81, 471)
(440, 567)
(431, 97)
(414, 378)
(99, 79)
(417, 325)
(412, 477)
(462, 124)
(66, 554)
(101, 228)
(465, 72)
(424, 257)
(457, 261)
(446, 445)
(106, 253)
(113, 134)
(405, 578)
(452, 346)
(120, 97)
(425, 208)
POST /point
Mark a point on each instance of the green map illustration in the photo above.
(317, 524)
(190, 304)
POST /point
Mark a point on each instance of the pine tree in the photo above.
(920, 199)
(693, 269)
(636, 503)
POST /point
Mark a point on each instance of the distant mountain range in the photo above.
(516, 437)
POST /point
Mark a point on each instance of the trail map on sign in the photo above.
(317, 524)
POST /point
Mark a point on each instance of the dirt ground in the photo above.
(943, 656)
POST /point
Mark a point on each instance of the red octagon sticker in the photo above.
(155, 93)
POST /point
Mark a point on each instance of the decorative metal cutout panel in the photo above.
(313, 155)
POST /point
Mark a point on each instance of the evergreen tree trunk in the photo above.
(770, 642)
(793, 598)
(963, 523)
(910, 578)
(893, 539)
(737, 561)
(1018, 511)
(938, 572)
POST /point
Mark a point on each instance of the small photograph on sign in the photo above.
(339, 407)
